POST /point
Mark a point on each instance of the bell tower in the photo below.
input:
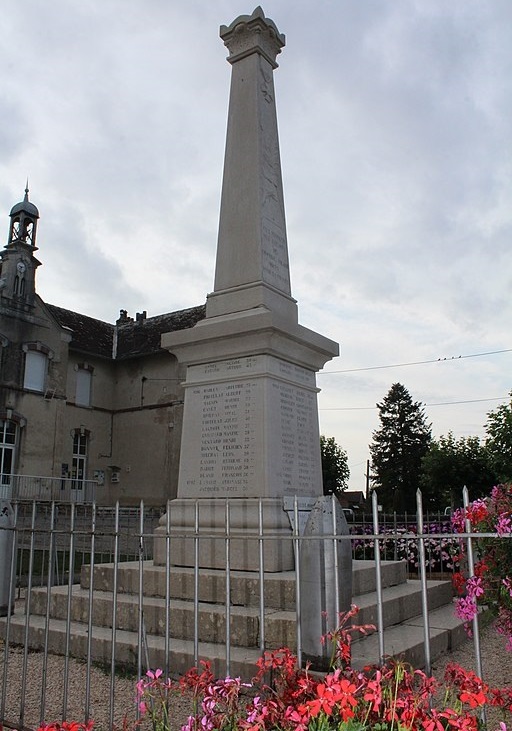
(17, 261)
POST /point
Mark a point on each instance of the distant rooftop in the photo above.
(134, 337)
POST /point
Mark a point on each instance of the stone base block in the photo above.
(201, 528)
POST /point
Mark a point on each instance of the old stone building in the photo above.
(80, 399)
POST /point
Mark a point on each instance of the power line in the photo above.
(417, 362)
(442, 403)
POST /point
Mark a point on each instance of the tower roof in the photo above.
(25, 206)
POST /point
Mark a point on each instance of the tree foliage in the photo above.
(498, 443)
(398, 449)
(449, 465)
(335, 470)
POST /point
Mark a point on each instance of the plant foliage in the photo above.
(451, 464)
(499, 440)
(491, 583)
(398, 449)
(335, 470)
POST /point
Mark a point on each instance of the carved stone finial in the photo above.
(253, 34)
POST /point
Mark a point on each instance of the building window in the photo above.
(83, 385)
(16, 229)
(8, 434)
(35, 370)
(37, 356)
(79, 465)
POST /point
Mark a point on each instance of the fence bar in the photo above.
(471, 572)
(90, 617)
(49, 582)
(27, 615)
(378, 576)
(12, 574)
(228, 590)
(196, 583)
(334, 503)
(395, 542)
(114, 617)
(296, 547)
(167, 588)
(71, 577)
(423, 579)
(261, 576)
(141, 594)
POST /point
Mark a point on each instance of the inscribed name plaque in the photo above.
(250, 430)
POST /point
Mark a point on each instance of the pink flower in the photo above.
(154, 675)
(504, 525)
(465, 608)
(474, 587)
(190, 725)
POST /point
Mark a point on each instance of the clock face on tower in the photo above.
(20, 266)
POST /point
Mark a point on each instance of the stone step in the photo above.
(406, 641)
(181, 652)
(400, 603)
(401, 615)
(244, 622)
(280, 591)
(403, 641)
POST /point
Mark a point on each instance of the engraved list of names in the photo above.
(224, 428)
(239, 410)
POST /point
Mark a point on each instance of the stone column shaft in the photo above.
(252, 249)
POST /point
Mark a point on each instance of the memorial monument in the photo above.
(250, 424)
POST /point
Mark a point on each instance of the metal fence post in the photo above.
(471, 572)
(423, 579)
(378, 576)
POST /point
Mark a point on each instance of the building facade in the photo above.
(80, 399)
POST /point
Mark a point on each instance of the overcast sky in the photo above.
(396, 148)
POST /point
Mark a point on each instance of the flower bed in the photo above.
(399, 543)
(490, 586)
(283, 697)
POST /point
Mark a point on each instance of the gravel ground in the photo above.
(496, 664)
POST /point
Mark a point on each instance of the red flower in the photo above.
(373, 692)
(474, 699)
(458, 583)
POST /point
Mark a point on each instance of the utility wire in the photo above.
(416, 362)
(442, 403)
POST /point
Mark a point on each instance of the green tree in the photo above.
(450, 464)
(398, 449)
(498, 442)
(335, 470)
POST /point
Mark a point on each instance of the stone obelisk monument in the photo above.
(250, 424)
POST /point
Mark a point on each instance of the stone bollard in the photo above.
(318, 602)
(6, 549)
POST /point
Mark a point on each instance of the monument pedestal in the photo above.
(199, 529)
(251, 437)
(250, 429)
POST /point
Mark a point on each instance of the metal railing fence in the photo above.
(54, 544)
(41, 488)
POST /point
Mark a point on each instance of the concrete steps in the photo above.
(181, 655)
(401, 614)
(406, 640)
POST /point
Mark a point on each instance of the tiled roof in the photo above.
(134, 338)
(143, 337)
(89, 336)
